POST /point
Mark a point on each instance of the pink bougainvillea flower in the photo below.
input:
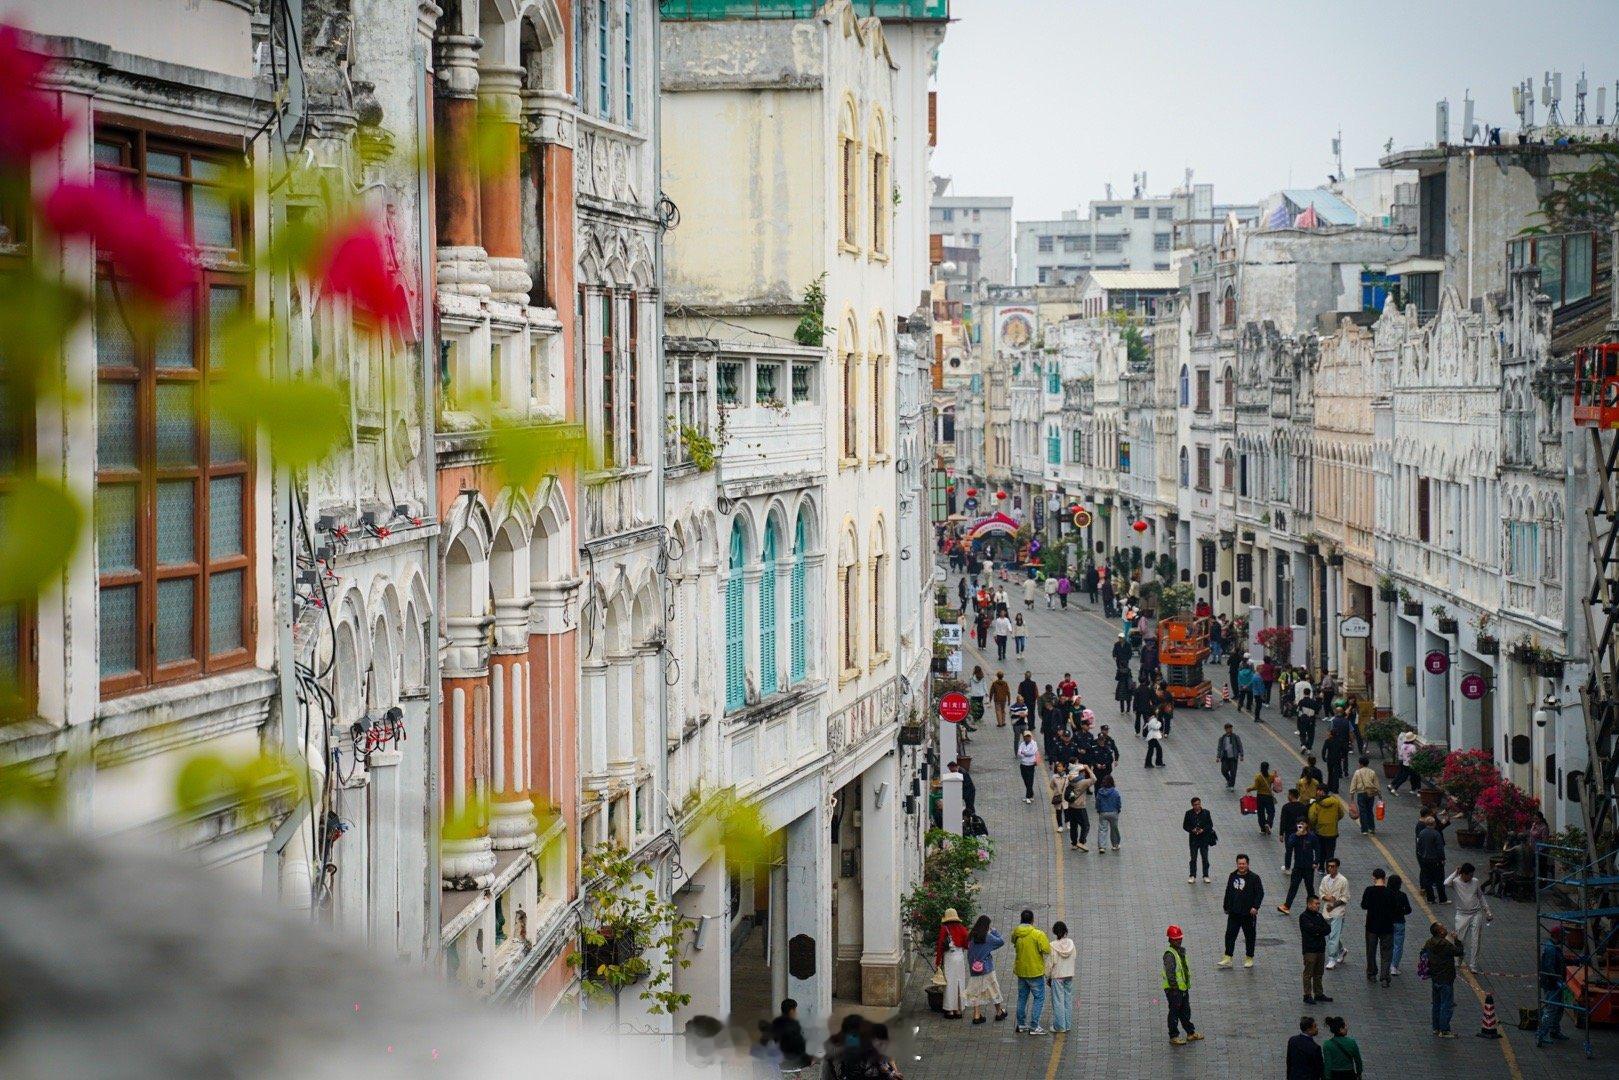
(140, 244)
(30, 123)
(357, 266)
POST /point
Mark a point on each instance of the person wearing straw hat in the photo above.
(950, 956)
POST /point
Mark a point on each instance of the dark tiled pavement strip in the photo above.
(1117, 907)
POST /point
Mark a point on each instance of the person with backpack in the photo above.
(1198, 824)
(1438, 958)
(1306, 711)
(1109, 805)
(983, 988)
(1030, 948)
(1264, 788)
(1177, 980)
(1340, 1054)
(1228, 750)
(1244, 896)
(1313, 930)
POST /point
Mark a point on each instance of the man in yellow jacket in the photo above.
(1030, 946)
(1324, 815)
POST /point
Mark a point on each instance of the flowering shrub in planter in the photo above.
(1507, 809)
(1277, 641)
(948, 881)
(1464, 775)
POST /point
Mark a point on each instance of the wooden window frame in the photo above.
(879, 211)
(632, 383)
(851, 390)
(137, 142)
(26, 686)
(609, 383)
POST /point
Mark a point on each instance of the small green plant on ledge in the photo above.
(811, 329)
(699, 448)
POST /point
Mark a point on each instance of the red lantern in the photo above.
(972, 493)
(1139, 526)
(1000, 494)
(950, 489)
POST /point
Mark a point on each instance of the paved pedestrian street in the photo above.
(1118, 906)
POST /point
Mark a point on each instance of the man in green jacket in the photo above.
(1178, 988)
(1030, 946)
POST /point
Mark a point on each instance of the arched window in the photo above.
(851, 389)
(1229, 382)
(849, 149)
(879, 387)
(1228, 316)
(1185, 470)
(849, 616)
(736, 618)
(797, 596)
(879, 567)
(768, 680)
(882, 207)
(1186, 387)
(1228, 468)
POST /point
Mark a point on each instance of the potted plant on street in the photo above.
(1507, 810)
(1277, 641)
(950, 866)
(1443, 619)
(1384, 731)
(1486, 643)
(1426, 763)
(1386, 590)
(1465, 775)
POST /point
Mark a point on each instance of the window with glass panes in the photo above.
(851, 375)
(17, 664)
(632, 387)
(604, 59)
(629, 61)
(767, 614)
(173, 480)
(796, 600)
(609, 384)
(736, 678)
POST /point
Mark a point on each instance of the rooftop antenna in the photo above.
(1523, 103)
(1469, 129)
(1602, 102)
(1338, 151)
(1552, 97)
(1441, 121)
(1580, 87)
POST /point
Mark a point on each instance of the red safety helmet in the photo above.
(1175, 933)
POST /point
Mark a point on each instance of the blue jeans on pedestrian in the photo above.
(1368, 818)
(1444, 1003)
(1551, 1016)
(1031, 988)
(1062, 1004)
(1399, 944)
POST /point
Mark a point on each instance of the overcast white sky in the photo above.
(1047, 100)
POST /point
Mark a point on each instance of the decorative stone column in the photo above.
(552, 692)
(880, 877)
(512, 824)
(467, 855)
(500, 185)
(593, 677)
(620, 715)
(463, 265)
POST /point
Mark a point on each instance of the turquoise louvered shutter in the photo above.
(796, 602)
(768, 683)
(736, 686)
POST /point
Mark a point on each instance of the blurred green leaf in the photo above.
(40, 523)
(304, 418)
(38, 314)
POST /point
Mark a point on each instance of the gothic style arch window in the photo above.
(851, 389)
(736, 619)
(849, 615)
(879, 567)
(881, 200)
(1186, 387)
(768, 680)
(849, 152)
(879, 388)
(797, 643)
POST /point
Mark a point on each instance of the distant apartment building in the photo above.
(977, 236)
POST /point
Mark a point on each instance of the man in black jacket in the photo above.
(1244, 894)
(1199, 826)
(789, 1035)
(1146, 703)
(1383, 908)
(1293, 812)
(1229, 751)
(1304, 1060)
(1121, 654)
(1313, 931)
(1302, 857)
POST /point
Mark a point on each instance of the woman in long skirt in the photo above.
(950, 956)
(983, 988)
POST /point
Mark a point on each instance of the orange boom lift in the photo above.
(1183, 645)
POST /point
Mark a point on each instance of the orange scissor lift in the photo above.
(1183, 645)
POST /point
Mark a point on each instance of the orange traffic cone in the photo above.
(1489, 1030)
